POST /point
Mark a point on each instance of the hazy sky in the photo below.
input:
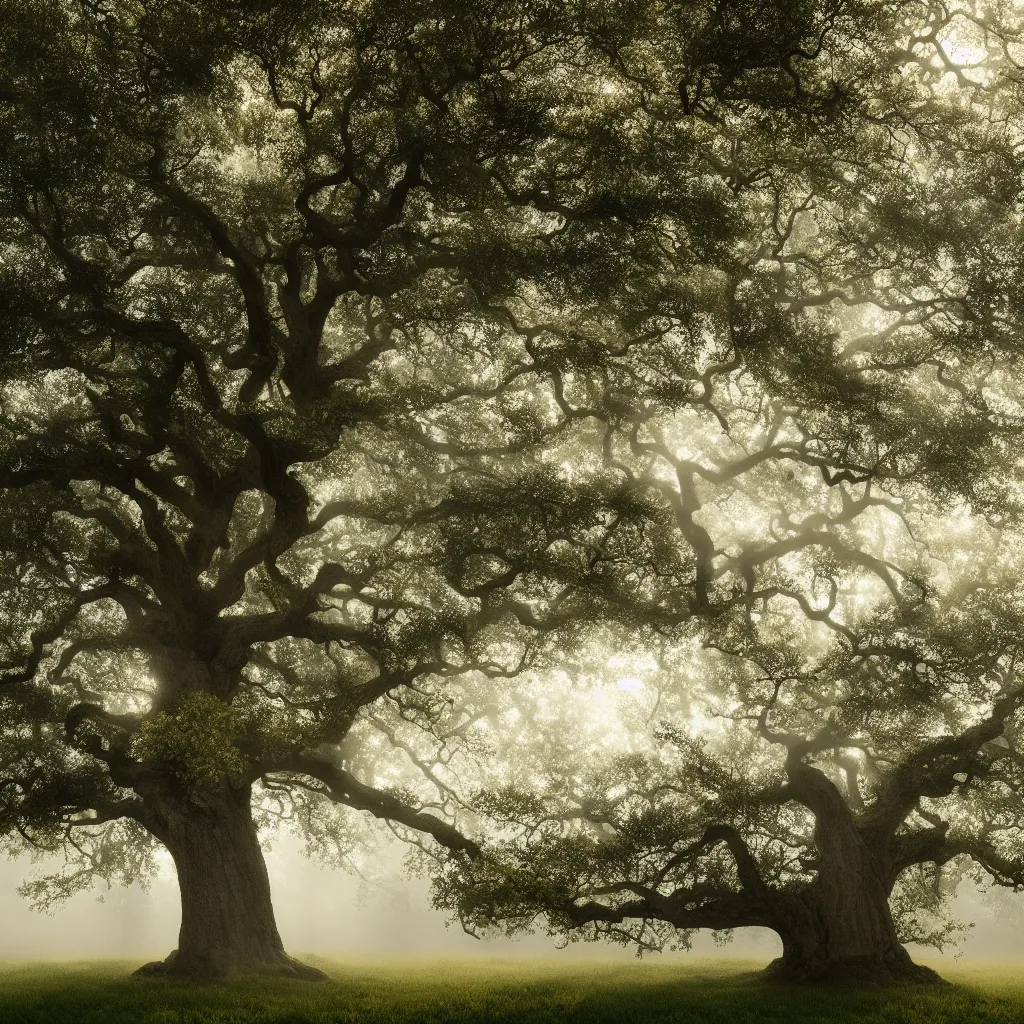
(325, 911)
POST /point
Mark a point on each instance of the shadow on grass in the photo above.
(509, 991)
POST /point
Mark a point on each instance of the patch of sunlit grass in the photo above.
(517, 991)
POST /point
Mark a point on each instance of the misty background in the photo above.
(330, 911)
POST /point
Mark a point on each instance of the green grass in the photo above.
(510, 991)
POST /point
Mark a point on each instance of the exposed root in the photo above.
(856, 971)
(209, 970)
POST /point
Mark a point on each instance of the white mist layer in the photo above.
(332, 912)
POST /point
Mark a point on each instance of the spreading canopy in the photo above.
(348, 351)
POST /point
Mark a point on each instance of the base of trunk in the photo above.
(176, 967)
(874, 971)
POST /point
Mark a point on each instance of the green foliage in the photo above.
(920, 908)
(196, 741)
(118, 853)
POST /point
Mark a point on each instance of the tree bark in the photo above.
(840, 928)
(843, 935)
(227, 915)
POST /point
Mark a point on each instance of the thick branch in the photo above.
(344, 788)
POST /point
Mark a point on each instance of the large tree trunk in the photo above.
(843, 934)
(227, 917)
(840, 929)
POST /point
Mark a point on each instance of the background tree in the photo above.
(898, 382)
(817, 789)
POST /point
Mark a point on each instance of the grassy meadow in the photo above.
(517, 991)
